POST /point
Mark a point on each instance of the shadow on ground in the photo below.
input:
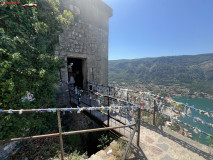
(138, 153)
(181, 142)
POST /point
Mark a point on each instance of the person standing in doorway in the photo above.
(70, 70)
(71, 82)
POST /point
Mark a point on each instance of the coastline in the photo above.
(199, 103)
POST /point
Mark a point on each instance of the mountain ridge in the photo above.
(192, 71)
(160, 57)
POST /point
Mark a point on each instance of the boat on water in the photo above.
(190, 135)
(185, 130)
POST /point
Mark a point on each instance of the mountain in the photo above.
(192, 71)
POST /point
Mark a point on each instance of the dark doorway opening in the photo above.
(75, 69)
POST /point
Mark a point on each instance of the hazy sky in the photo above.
(153, 28)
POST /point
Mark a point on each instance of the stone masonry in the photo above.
(86, 39)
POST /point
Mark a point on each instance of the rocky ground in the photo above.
(156, 144)
(115, 151)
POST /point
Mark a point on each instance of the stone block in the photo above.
(6, 149)
(71, 49)
(63, 53)
(77, 50)
(75, 42)
(73, 45)
(73, 37)
(164, 147)
(166, 157)
(155, 150)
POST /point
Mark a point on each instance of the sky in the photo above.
(154, 28)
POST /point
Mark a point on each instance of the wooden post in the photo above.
(154, 112)
(129, 142)
(60, 134)
(108, 112)
(78, 99)
(139, 124)
(90, 100)
(69, 92)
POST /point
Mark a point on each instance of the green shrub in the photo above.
(105, 140)
(76, 156)
(27, 63)
(160, 120)
(175, 127)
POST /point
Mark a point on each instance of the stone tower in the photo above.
(85, 44)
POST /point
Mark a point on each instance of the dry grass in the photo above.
(118, 149)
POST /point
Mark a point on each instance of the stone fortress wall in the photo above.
(86, 39)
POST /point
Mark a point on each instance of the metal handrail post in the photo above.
(139, 124)
(154, 112)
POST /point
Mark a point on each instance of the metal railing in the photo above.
(155, 104)
(60, 133)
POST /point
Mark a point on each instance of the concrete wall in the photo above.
(86, 39)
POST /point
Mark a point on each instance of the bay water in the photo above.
(203, 104)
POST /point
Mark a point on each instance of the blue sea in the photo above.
(199, 103)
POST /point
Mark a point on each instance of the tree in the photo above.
(27, 63)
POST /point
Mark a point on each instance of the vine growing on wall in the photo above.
(28, 37)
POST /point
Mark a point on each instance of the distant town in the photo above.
(165, 91)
